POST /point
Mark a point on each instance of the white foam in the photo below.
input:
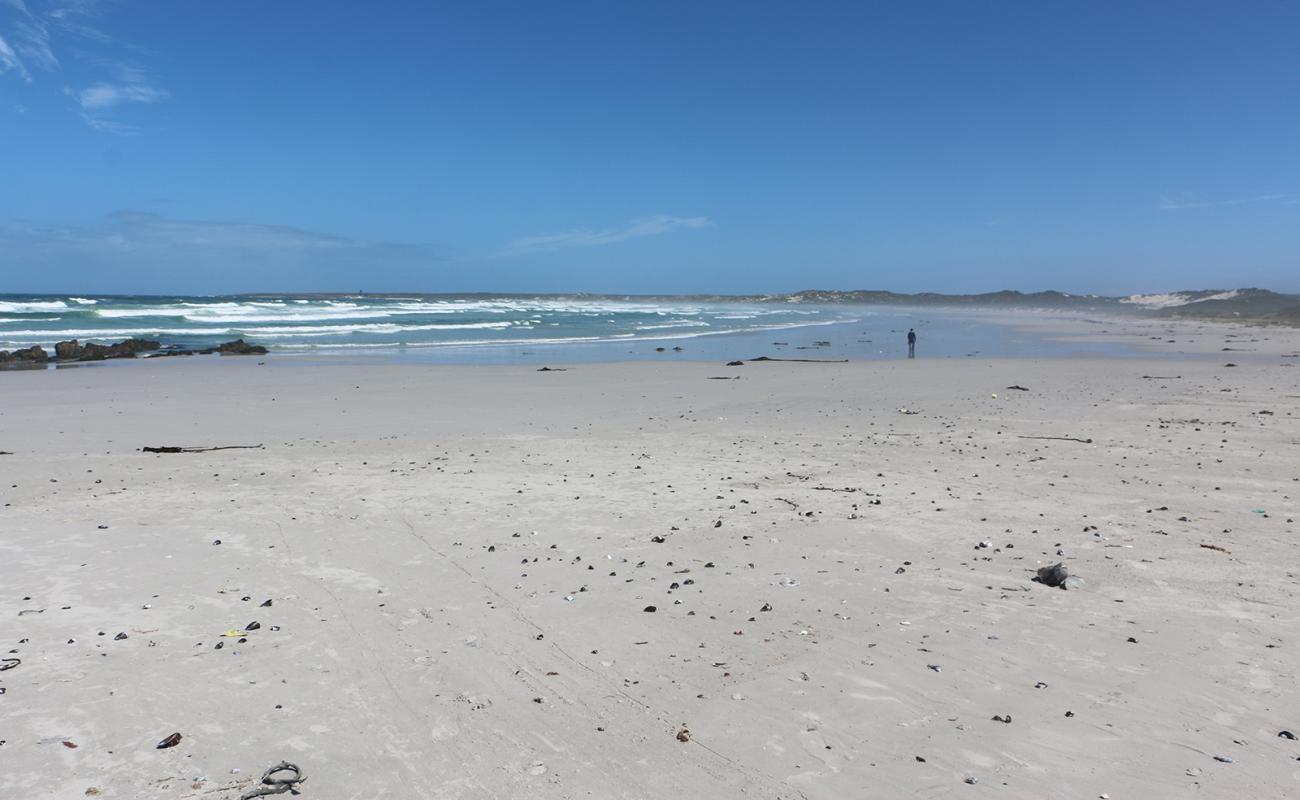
(33, 307)
(677, 323)
(267, 332)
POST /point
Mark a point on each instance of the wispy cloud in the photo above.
(10, 62)
(109, 126)
(26, 50)
(1181, 204)
(107, 95)
(32, 41)
(75, 17)
(649, 226)
(28, 43)
(150, 247)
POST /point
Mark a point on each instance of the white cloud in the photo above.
(1181, 204)
(10, 61)
(25, 46)
(649, 226)
(29, 43)
(142, 231)
(107, 95)
(32, 41)
(204, 254)
(109, 126)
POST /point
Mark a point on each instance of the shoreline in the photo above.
(1135, 338)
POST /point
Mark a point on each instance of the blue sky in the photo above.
(648, 147)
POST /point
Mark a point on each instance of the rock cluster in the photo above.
(73, 350)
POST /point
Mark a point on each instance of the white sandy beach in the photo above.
(458, 562)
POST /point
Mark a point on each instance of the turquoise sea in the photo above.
(521, 329)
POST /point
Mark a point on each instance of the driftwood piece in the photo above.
(169, 449)
(1059, 438)
(805, 360)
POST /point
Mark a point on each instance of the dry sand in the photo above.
(458, 562)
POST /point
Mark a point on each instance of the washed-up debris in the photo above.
(1286, 735)
(804, 360)
(999, 718)
(1057, 575)
(1018, 388)
(283, 777)
(9, 663)
(683, 735)
(552, 369)
(172, 449)
(170, 741)
(1216, 547)
(1059, 438)
(1223, 759)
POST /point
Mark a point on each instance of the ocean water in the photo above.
(517, 329)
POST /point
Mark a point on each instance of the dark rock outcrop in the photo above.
(32, 355)
(100, 352)
(69, 350)
(239, 347)
(73, 350)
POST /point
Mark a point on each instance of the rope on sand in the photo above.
(271, 784)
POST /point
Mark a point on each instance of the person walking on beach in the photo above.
(911, 343)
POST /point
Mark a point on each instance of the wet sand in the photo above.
(453, 568)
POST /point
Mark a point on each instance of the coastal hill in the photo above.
(1240, 304)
